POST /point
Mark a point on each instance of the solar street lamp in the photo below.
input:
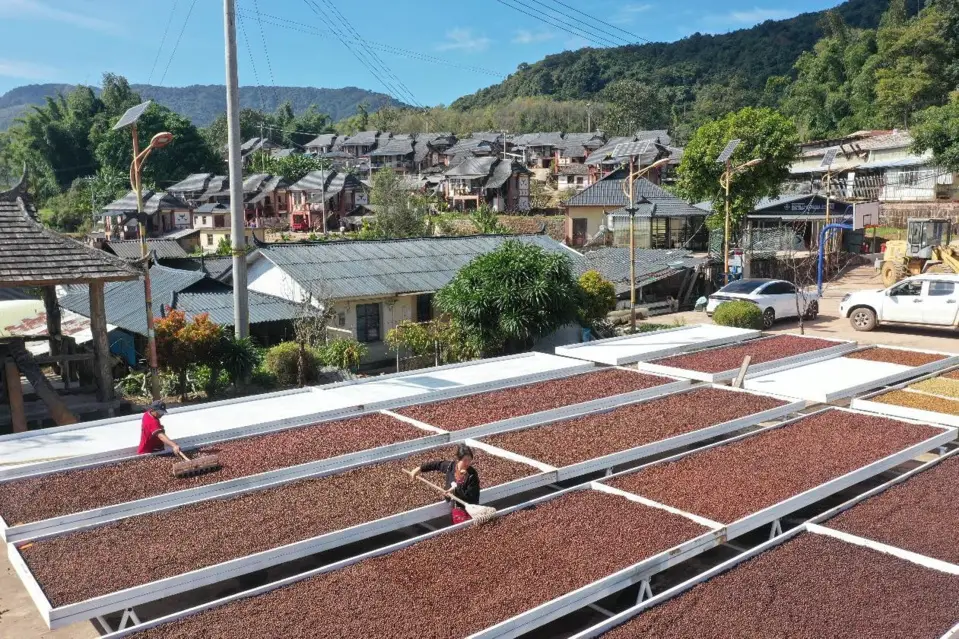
(726, 181)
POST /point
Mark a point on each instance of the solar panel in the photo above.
(630, 149)
(829, 158)
(728, 151)
(132, 115)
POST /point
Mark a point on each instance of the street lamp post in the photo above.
(158, 141)
(725, 181)
(630, 192)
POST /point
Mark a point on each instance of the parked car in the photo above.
(929, 300)
(776, 298)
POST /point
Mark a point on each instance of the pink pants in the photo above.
(460, 515)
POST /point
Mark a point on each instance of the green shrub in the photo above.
(739, 314)
(344, 354)
(597, 298)
(283, 361)
(264, 379)
(239, 358)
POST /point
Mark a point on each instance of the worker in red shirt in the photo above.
(152, 434)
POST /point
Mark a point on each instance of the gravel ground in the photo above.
(454, 585)
(720, 360)
(811, 587)
(142, 549)
(892, 356)
(938, 386)
(484, 408)
(28, 500)
(728, 482)
(576, 440)
(921, 514)
(922, 402)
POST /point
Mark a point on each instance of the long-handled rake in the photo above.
(479, 514)
(193, 467)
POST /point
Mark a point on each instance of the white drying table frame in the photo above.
(28, 468)
(653, 448)
(56, 617)
(905, 412)
(572, 350)
(432, 437)
(639, 572)
(793, 361)
(86, 461)
(807, 528)
(949, 361)
(772, 514)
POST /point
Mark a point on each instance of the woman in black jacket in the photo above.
(462, 480)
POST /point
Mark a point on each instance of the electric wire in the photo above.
(583, 26)
(256, 78)
(266, 53)
(561, 27)
(603, 22)
(162, 41)
(176, 45)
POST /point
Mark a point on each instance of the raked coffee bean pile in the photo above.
(142, 549)
(577, 440)
(809, 588)
(484, 408)
(893, 356)
(455, 584)
(919, 401)
(731, 481)
(33, 499)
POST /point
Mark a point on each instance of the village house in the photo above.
(395, 153)
(164, 213)
(323, 143)
(573, 176)
(362, 144)
(470, 148)
(335, 193)
(503, 185)
(212, 220)
(598, 215)
(395, 284)
(266, 200)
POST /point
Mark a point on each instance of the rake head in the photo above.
(194, 467)
(480, 514)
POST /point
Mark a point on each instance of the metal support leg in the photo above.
(128, 619)
(645, 592)
(609, 472)
(601, 610)
(776, 530)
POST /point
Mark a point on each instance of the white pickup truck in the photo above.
(930, 300)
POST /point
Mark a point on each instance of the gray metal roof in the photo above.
(502, 173)
(488, 136)
(212, 207)
(608, 192)
(574, 168)
(31, 255)
(773, 202)
(152, 203)
(553, 139)
(335, 182)
(190, 291)
(322, 140)
(162, 248)
(383, 268)
(652, 265)
(473, 168)
(216, 267)
(469, 145)
(363, 138)
(394, 146)
(193, 183)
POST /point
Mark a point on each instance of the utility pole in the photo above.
(632, 248)
(241, 309)
(727, 178)
(589, 117)
(828, 203)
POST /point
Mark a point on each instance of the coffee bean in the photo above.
(892, 356)
(719, 360)
(921, 402)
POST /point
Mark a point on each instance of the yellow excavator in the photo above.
(926, 249)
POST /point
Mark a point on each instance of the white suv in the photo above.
(931, 300)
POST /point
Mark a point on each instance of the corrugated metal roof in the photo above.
(502, 173)
(152, 202)
(130, 249)
(219, 304)
(349, 270)
(652, 265)
(915, 160)
(395, 146)
(473, 167)
(322, 140)
(193, 183)
(608, 192)
(363, 138)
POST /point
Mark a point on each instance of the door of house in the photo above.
(579, 231)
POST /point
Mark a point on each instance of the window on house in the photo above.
(209, 239)
(203, 220)
(424, 307)
(368, 322)
(341, 319)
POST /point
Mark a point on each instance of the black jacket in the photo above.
(469, 491)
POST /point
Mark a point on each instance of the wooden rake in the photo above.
(479, 514)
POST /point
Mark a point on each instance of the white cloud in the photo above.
(628, 12)
(464, 40)
(26, 70)
(754, 16)
(525, 36)
(33, 9)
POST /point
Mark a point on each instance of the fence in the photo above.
(759, 242)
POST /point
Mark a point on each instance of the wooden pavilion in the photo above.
(36, 257)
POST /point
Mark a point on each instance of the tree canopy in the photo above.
(399, 212)
(766, 135)
(505, 299)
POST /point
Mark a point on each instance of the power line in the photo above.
(266, 52)
(592, 29)
(177, 44)
(300, 27)
(595, 19)
(162, 41)
(256, 77)
(561, 27)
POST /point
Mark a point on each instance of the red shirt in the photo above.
(150, 427)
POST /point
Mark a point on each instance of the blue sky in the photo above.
(438, 50)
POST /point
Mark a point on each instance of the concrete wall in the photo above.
(896, 214)
(595, 217)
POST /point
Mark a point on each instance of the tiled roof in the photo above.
(31, 255)
(574, 169)
(152, 203)
(502, 173)
(190, 291)
(652, 265)
(469, 145)
(394, 146)
(349, 270)
(322, 140)
(608, 192)
(363, 138)
(130, 249)
(553, 139)
(473, 167)
(215, 267)
(193, 183)
(335, 182)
